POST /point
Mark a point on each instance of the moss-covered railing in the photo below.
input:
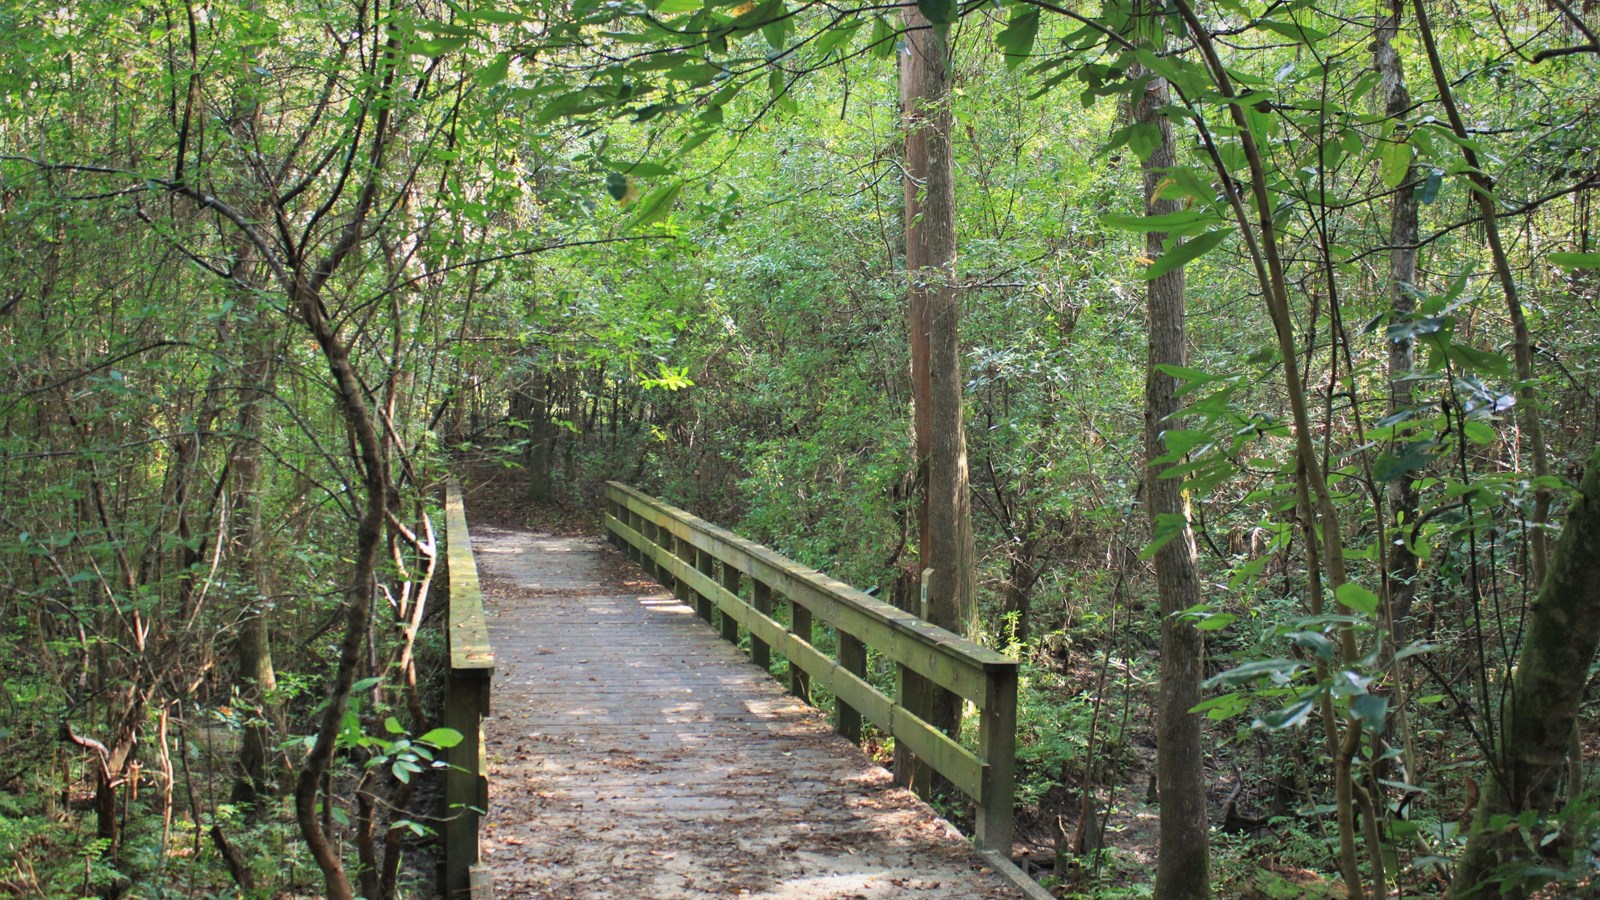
(707, 566)
(466, 702)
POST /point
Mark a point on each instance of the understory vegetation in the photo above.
(270, 272)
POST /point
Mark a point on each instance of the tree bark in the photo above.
(935, 311)
(1183, 869)
(1542, 703)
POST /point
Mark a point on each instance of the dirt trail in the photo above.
(633, 754)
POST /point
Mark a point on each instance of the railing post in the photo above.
(466, 781)
(761, 599)
(997, 746)
(799, 626)
(706, 564)
(853, 659)
(730, 625)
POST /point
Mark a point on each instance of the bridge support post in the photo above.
(800, 627)
(706, 564)
(997, 746)
(466, 782)
(853, 659)
(730, 583)
(761, 599)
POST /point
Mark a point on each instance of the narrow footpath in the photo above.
(633, 754)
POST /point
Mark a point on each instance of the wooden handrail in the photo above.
(685, 553)
(466, 702)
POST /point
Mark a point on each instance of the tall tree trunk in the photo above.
(935, 311)
(1542, 703)
(257, 677)
(1183, 869)
(1402, 281)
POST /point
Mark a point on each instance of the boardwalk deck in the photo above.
(633, 754)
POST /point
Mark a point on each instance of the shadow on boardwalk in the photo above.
(633, 754)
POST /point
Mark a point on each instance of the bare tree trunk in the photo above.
(1543, 701)
(1183, 870)
(935, 310)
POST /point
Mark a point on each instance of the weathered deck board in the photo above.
(633, 753)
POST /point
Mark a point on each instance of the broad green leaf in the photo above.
(777, 31)
(669, 7)
(1393, 161)
(883, 38)
(1430, 187)
(1166, 222)
(443, 738)
(1356, 597)
(1294, 31)
(657, 204)
(1478, 431)
(940, 12)
(1371, 710)
(1289, 716)
(1279, 670)
(1185, 252)
(1575, 260)
(617, 186)
(495, 72)
(1016, 39)
(834, 38)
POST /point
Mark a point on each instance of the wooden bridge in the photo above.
(626, 751)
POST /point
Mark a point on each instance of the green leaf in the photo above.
(1394, 159)
(668, 7)
(940, 12)
(1166, 222)
(1216, 621)
(1478, 432)
(1575, 260)
(834, 38)
(1279, 670)
(392, 725)
(1294, 31)
(1016, 39)
(443, 738)
(883, 38)
(656, 204)
(1430, 188)
(495, 72)
(1184, 253)
(1356, 597)
(617, 186)
(1290, 715)
(1371, 710)
(777, 30)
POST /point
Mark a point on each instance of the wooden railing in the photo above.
(708, 567)
(466, 702)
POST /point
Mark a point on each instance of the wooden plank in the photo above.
(945, 658)
(954, 762)
(469, 632)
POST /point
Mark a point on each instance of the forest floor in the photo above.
(633, 753)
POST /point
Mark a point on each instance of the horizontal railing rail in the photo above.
(708, 566)
(466, 702)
